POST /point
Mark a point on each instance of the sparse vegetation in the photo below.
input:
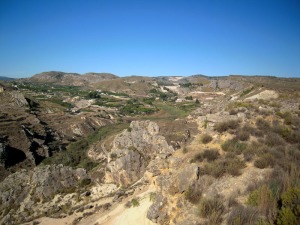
(193, 195)
(135, 202)
(206, 138)
(247, 91)
(234, 145)
(212, 209)
(224, 126)
(230, 165)
(208, 154)
(152, 196)
(262, 124)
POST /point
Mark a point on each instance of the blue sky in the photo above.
(152, 38)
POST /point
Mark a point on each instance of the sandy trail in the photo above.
(118, 214)
(128, 216)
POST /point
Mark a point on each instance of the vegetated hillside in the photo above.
(277, 83)
(75, 79)
(6, 78)
(134, 85)
(173, 150)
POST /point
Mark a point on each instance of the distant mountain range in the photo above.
(6, 78)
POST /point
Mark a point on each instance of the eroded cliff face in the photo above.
(24, 137)
(132, 151)
(28, 190)
(28, 134)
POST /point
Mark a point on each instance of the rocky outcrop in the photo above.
(133, 150)
(155, 211)
(23, 189)
(176, 179)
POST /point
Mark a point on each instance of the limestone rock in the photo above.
(133, 149)
(155, 211)
(24, 188)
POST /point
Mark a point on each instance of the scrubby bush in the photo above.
(233, 112)
(264, 161)
(206, 138)
(287, 116)
(231, 165)
(211, 154)
(224, 126)
(234, 145)
(243, 135)
(152, 196)
(135, 202)
(85, 182)
(273, 139)
(212, 209)
(290, 211)
(193, 194)
(252, 130)
(243, 215)
(253, 149)
(262, 124)
(294, 137)
(265, 200)
(282, 130)
(208, 154)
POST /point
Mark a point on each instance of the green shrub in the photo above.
(224, 126)
(193, 195)
(252, 130)
(185, 150)
(287, 217)
(243, 135)
(265, 201)
(211, 154)
(273, 139)
(290, 211)
(205, 125)
(208, 154)
(234, 145)
(282, 130)
(212, 209)
(294, 137)
(264, 161)
(262, 124)
(287, 116)
(135, 202)
(253, 149)
(243, 215)
(246, 91)
(206, 138)
(152, 196)
(231, 165)
(85, 182)
(113, 156)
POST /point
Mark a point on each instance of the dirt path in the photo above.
(119, 215)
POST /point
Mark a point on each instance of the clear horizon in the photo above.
(150, 38)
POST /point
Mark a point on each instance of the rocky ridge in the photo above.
(133, 150)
